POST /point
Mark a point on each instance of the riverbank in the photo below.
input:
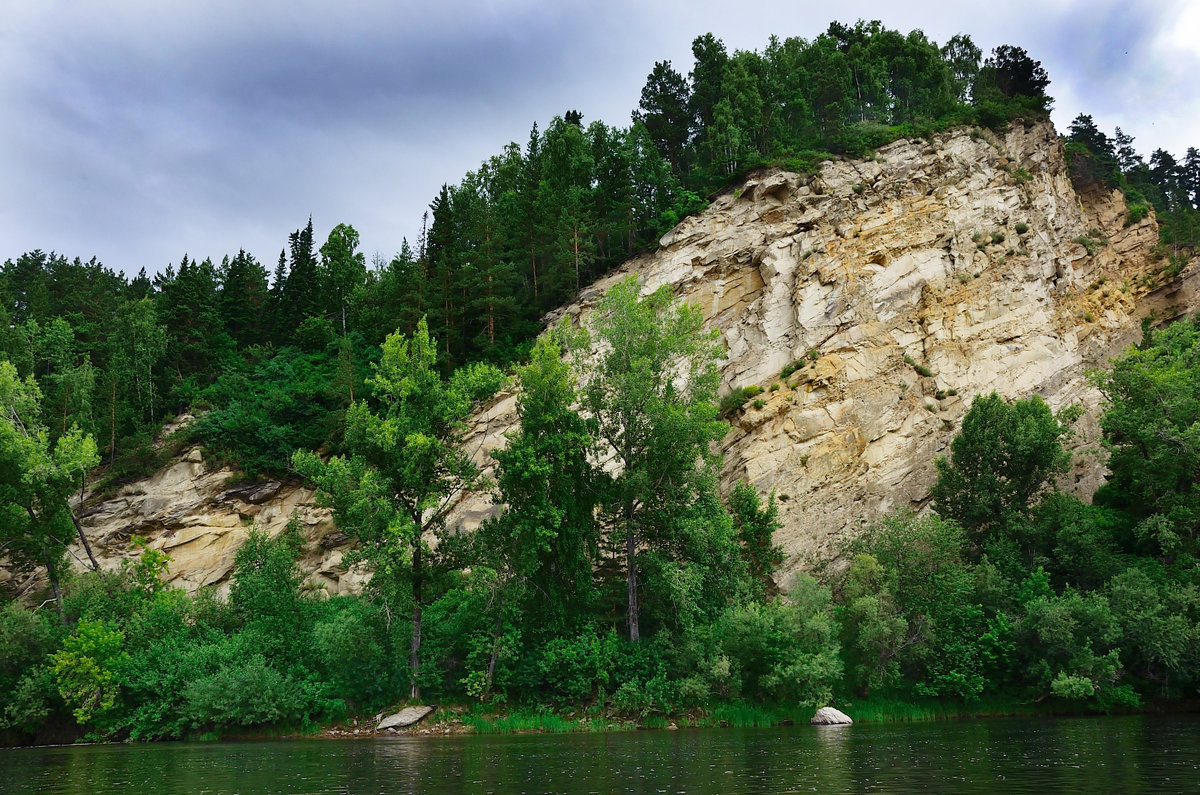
(450, 720)
(458, 719)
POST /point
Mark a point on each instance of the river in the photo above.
(1123, 754)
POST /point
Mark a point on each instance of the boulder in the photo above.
(828, 716)
(404, 718)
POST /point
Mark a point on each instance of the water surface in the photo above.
(1127, 754)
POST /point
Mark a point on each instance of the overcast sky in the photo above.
(140, 130)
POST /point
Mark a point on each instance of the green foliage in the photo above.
(404, 465)
(1004, 457)
(1152, 431)
(85, 670)
(652, 396)
(277, 402)
(738, 396)
(1090, 244)
(37, 478)
(26, 638)
(782, 651)
(1135, 213)
(249, 694)
(922, 370)
(147, 571)
(756, 524)
(910, 609)
(581, 667)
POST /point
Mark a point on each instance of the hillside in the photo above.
(965, 255)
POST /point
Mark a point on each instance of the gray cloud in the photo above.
(140, 130)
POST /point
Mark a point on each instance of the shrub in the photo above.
(248, 694)
(760, 403)
(783, 651)
(1021, 227)
(738, 397)
(577, 668)
(1136, 213)
(997, 237)
(85, 669)
(921, 369)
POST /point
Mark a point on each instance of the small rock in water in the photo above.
(405, 717)
(828, 716)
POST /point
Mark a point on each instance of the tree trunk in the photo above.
(533, 263)
(83, 540)
(58, 599)
(575, 240)
(631, 573)
(112, 414)
(491, 669)
(414, 654)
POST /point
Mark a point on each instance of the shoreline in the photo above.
(458, 720)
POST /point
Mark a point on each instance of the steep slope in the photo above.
(967, 257)
(900, 287)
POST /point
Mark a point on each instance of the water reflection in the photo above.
(1081, 754)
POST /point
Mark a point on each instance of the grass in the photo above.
(742, 715)
(527, 721)
(885, 710)
(534, 720)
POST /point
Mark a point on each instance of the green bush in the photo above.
(1135, 213)
(578, 668)
(248, 694)
(1021, 227)
(783, 651)
(738, 397)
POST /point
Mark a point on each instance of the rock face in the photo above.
(190, 511)
(899, 288)
(893, 290)
(828, 716)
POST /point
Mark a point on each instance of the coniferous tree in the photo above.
(665, 113)
(244, 299)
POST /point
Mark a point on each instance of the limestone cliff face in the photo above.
(902, 286)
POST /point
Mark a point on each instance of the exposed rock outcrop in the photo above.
(892, 291)
(902, 286)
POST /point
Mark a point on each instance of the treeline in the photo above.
(1169, 185)
(274, 355)
(633, 590)
(845, 92)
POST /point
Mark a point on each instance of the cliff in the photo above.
(894, 289)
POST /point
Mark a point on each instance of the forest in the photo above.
(640, 593)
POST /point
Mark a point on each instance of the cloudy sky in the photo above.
(140, 130)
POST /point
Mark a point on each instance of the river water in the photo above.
(1092, 755)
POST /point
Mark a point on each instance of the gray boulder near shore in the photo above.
(404, 718)
(828, 716)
